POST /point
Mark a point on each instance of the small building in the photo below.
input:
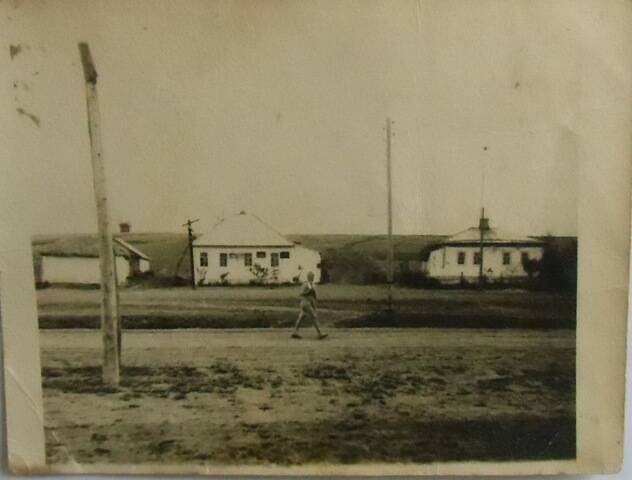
(243, 250)
(77, 263)
(457, 258)
(139, 263)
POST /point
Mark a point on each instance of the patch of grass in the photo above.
(385, 384)
(166, 321)
(221, 377)
(162, 447)
(325, 371)
(406, 439)
(75, 380)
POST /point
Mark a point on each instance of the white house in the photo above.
(458, 257)
(79, 264)
(242, 249)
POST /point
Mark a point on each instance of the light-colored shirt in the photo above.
(308, 293)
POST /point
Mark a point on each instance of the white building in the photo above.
(242, 249)
(80, 265)
(458, 257)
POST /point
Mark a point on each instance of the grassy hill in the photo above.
(407, 247)
(168, 250)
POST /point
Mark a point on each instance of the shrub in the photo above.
(348, 266)
(415, 278)
(557, 269)
(260, 274)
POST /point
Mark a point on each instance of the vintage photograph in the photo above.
(296, 233)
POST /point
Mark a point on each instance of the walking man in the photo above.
(308, 307)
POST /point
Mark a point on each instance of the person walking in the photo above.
(308, 307)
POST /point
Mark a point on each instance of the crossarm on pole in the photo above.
(89, 70)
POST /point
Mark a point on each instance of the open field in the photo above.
(255, 396)
(339, 306)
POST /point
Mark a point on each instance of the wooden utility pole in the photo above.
(483, 225)
(109, 307)
(119, 327)
(191, 259)
(389, 253)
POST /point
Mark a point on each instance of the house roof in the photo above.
(132, 249)
(242, 230)
(86, 246)
(472, 235)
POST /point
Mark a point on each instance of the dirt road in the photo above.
(256, 396)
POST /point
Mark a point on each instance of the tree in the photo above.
(532, 267)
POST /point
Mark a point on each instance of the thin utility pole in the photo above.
(109, 306)
(119, 326)
(483, 225)
(191, 259)
(389, 256)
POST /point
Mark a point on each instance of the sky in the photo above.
(278, 108)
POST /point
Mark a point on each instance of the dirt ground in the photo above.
(256, 396)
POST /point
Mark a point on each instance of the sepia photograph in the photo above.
(268, 233)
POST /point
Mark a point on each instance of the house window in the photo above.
(477, 258)
(223, 260)
(203, 259)
(274, 259)
(524, 257)
(261, 254)
(248, 259)
(461, 258)
(506, 258)
(285, 254)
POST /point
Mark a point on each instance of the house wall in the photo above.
(295, 268)
(79, 270)
(443, 263)
(144, 265)
(138, 265)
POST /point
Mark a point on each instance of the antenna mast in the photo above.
(390, 255)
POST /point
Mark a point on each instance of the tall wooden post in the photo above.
(389, 256)
(109, 307)
(483, 225)
(119, 326)
(191, 257)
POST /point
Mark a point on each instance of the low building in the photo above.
(242, 250)
(75, 263)
(458, 258)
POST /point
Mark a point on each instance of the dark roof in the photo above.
(85, 246)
